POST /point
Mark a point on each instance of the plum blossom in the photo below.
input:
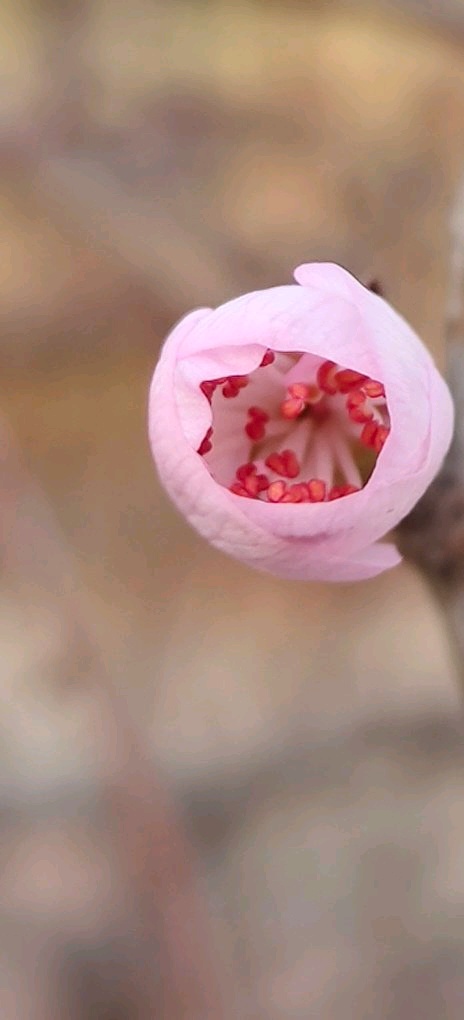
(294, 427)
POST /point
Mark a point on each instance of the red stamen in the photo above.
(338, 491)
(244, 470)
(251, 485)
(284, 463)
(356, 398)
(275, 462)
(230, 390)
(314, 394)
(326, 377)
(368, 434)
(359, 415)
(291, 465)
(357, 388)
(298, 493)
(208, 387)
(299, 389)
(292, 407)
(308, 392)
(238, 489)
(316, 490)
(373, 388)
(275, 491)
(206, 444)
(263, 482)
(381, 437)
(257, 412)
(356, 407)
(347, 379)
(255, 428)
(234, 384)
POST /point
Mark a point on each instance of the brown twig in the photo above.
(433, 534)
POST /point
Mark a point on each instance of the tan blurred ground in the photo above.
(157, 157)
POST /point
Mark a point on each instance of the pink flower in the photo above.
(295, 426)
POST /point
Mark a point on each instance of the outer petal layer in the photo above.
(333, 316)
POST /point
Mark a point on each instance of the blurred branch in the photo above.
(138, 875)
(433, 534)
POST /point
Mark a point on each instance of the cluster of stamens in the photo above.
(333, 397)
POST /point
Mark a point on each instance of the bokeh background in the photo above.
(155, 156)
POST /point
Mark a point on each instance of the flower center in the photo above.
(296, 430)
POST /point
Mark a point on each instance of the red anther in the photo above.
(244, 470)
(291, 465)
(238, 489)
(297, 493)
(208, 387)
(206, 444)
(275, 462)
(375, 438)
(356, 398)
(300, 389)
(360, 415)
(257, 412)
(326, 377)
(342, 490)
(368, 434)
(380, 437)
(275, 491)
(347, 379)
(234, 384)
(373, 388)
(314, 394)
(263, 482)
(255, 429)
(284, 463)
(356, 407)
(269, 357)
(317, 490)
(305, 391)
(251, 485)
(292, 407)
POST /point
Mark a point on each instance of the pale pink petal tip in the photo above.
(294, 427)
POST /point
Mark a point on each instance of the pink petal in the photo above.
(364, 564)
(334, 317)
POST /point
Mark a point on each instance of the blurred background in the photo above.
(155, 156)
